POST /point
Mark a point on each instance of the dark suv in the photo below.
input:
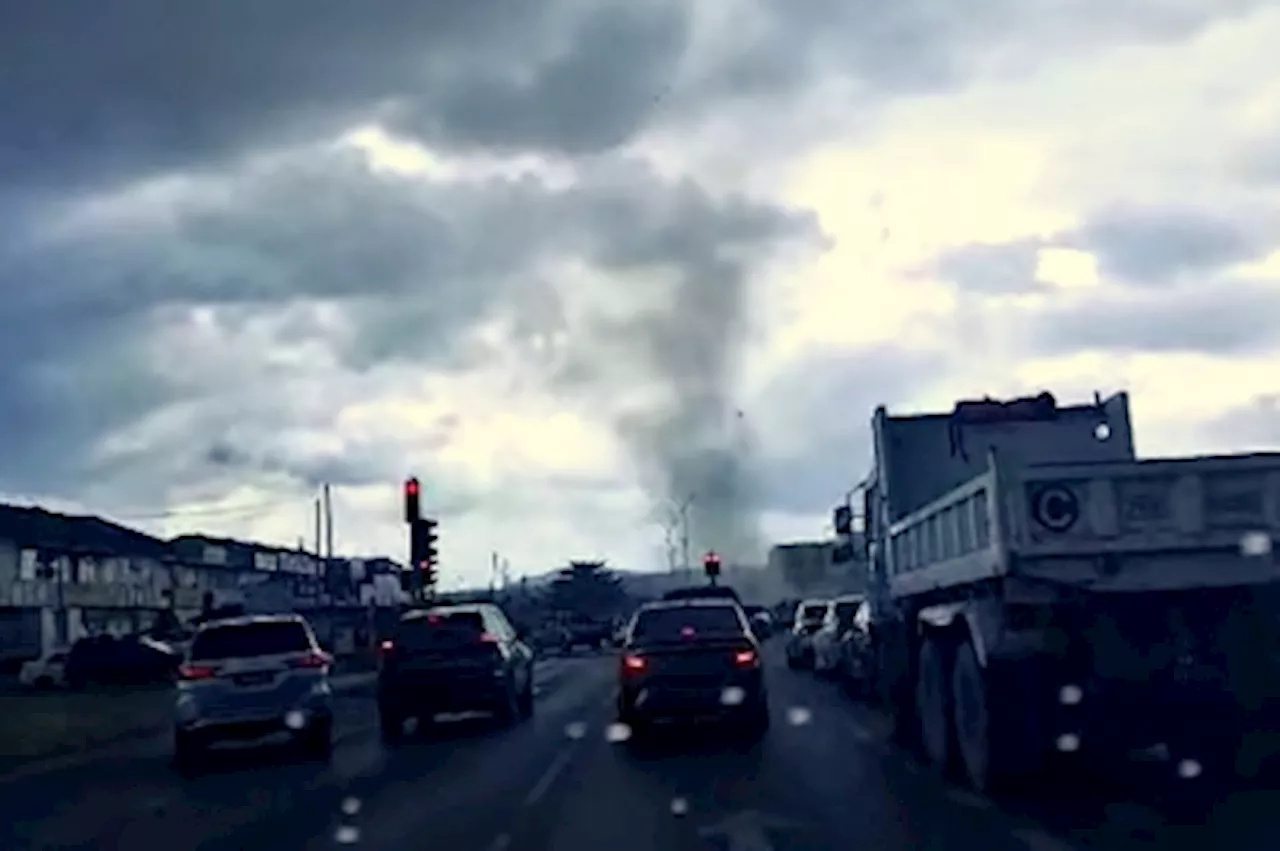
(453, 659)
(689, 660)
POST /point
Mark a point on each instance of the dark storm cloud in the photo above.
(94, 91)
(990, 268)
(1152, 246)
(1140, 246)
(412, 266)
(817, 412)
(1224, 318)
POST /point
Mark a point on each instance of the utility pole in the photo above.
(328, 523)
(319, 518)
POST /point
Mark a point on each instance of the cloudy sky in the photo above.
(570, 261)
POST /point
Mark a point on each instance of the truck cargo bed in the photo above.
(1117, 526)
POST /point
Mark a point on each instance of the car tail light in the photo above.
(633, 664)
(746, 659)
(314, 660)
(488, 638)
(386, 648)
(196, 672)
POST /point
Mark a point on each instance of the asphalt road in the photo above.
(824, 778)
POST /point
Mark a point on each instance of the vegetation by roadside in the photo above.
(36, 725)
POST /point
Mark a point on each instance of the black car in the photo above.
(453, 659)
(126, 660)
(687, 660)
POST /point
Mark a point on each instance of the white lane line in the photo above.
(861, 733)
(1038, 840)
(548, 777)
(967, 799)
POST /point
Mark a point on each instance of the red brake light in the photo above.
(386, 647)
(314, 660)
(746, 659)
(196, 672)
(687, 632)
(488, 638)
(633, 664)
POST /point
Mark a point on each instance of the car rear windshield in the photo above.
(846, 611)
(687, 621)
(254, 639)
(443, 629)
(815, 612)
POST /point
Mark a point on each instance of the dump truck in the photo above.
(1040, 597)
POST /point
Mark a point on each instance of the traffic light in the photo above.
(711, 565)
(842, 519)
(412, 506)
(422, 547)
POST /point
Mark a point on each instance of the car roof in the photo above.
(454, 608)
(804, 604)
(249, 620)
(850, 598)
(691, 603)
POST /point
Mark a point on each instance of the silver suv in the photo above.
(250, 678)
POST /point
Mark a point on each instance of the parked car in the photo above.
(857, 655)
(808, 620)
(827, 640)
(126, 660)
(46, 672)
(250, 678)
(761, 621)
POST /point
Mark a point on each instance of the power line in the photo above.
(178, 513)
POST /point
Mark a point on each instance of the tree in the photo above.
(588, 589)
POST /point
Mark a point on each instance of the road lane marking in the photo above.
(967, 799)
(1038, 840)
(548, 777)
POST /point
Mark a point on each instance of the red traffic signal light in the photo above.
(412, 507)
(711, 564)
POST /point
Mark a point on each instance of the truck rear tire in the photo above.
(995, 719)
(932, 699)
(972, 719)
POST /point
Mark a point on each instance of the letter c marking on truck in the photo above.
(1056, 508)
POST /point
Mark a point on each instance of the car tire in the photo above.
(526, 700)
(317, 740)
(188, 751)
(391, 726)
(507, 712)
(756, 726)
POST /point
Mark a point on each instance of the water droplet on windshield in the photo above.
(1070, 695)
(732, 696)
(617, 732)
(679, 807)
(295, 720)
(347, 835)
(350, 805)
(1189, 769)
(798, 716)
(1068, 743)
(575, 729)
(1255, 544)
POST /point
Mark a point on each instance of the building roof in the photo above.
(29, 526)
